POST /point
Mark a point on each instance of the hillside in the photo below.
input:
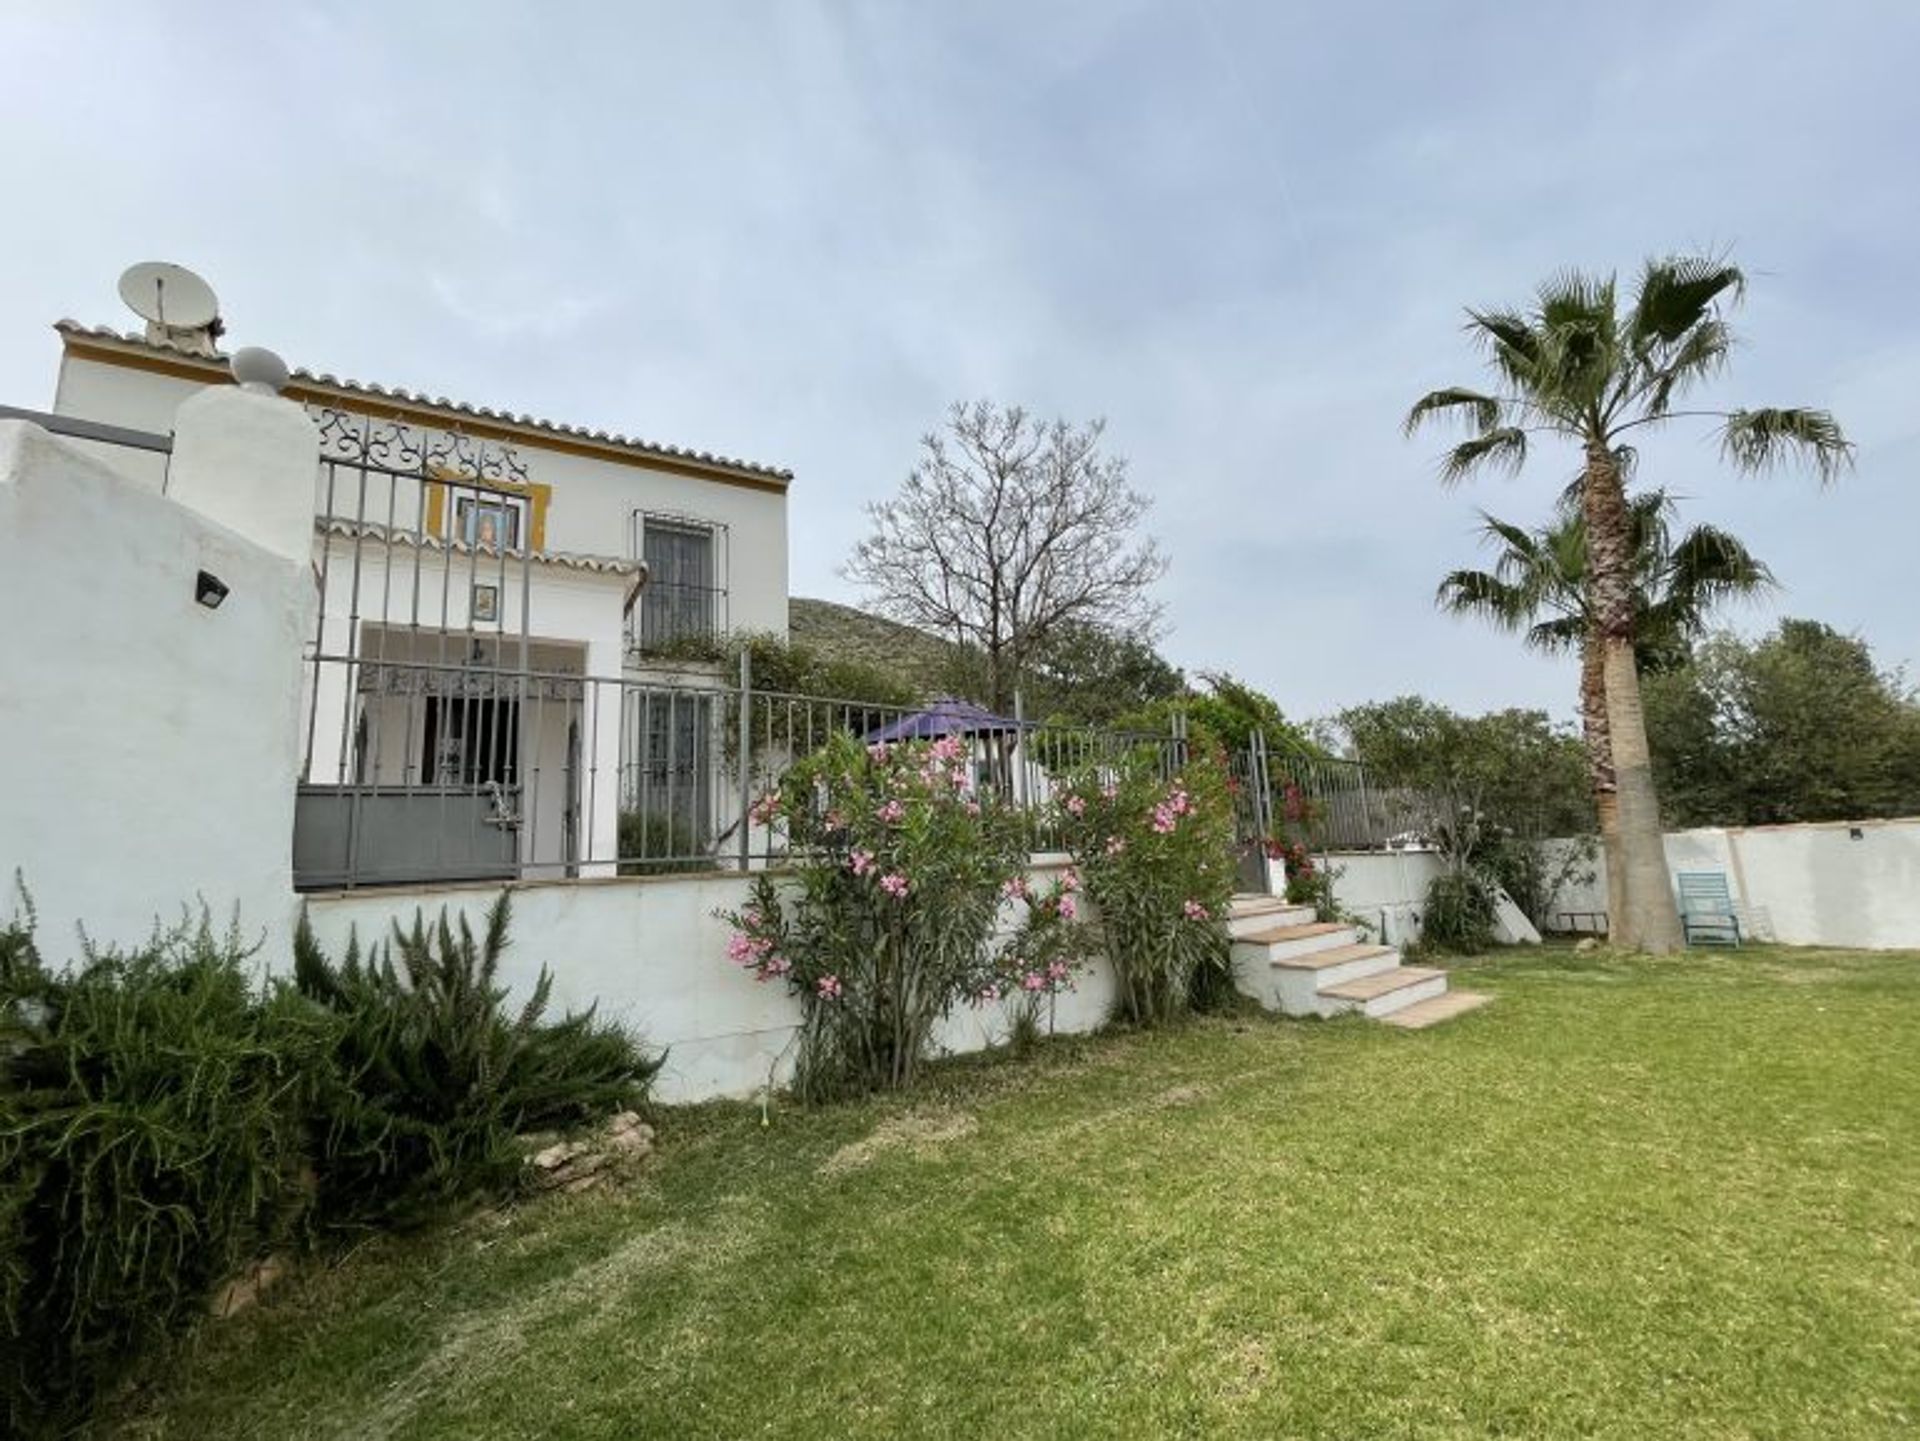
(842, 633)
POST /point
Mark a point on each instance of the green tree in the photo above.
(1578, 368)
(1508, 771)
(1538, 587)
(1798, 726)
(1090, 675)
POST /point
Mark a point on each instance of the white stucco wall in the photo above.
(1838, 883)
(149, 743)
(593, 499)
(1387, 890)
(651, 953)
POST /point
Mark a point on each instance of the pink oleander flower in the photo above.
(891, 813)
(958, 775)
(741, 949)
(1110, 790)
(1070, 879)
(973, 808)
(1116, 845)
(989, 992)
(1164, 820)
(1195, 911)
(1075, 806)
(777, 966)
(860, 862)
(1067, 906)
(894, 884)
(1180, 803)
(1056, 971)
(1015, 888)
(948, 748)
(1033, 981)
(828, 987)
(766, 808)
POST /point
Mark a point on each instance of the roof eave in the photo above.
(99, 342)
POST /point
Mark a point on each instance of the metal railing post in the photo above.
(1262, 807)
(745, 761)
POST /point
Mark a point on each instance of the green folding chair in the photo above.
(1707, 913)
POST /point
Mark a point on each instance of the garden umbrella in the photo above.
(946, 717)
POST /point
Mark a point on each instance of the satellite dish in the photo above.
(169, 296)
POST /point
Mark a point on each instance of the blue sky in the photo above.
(1241, 233)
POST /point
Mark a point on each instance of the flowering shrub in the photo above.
(899, 875)
(1045, 955)
(1156, 860)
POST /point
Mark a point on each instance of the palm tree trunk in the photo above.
(1606, 795)
(1648, 918)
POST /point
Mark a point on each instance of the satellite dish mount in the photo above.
(178, 306)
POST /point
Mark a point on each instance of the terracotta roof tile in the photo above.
(455, 407)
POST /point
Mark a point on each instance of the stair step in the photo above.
(1262, 913)
(1280, 935)
(1333, 956)
(1368, 988)
(1247, 902)
(1421, 1014)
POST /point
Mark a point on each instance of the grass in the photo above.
(1630, 1199)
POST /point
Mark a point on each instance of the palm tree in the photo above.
(1538, 587)
(1575, 366)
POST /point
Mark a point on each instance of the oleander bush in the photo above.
(888, 915)
(1154, 853)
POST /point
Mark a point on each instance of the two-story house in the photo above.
(485, 696)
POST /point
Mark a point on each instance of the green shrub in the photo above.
(658, 843)
(1459, 914)
(1155, 855)
(153, 1114)
(433, 1079)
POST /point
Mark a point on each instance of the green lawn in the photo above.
(1631, 1198)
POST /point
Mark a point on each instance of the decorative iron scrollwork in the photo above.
(356, 439)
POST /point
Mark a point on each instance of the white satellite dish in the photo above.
(169, 296)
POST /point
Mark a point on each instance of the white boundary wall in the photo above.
(1387, 891)
(1839, 883)
(148, 742)
(652, 953)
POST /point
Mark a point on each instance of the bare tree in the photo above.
(1009, 532)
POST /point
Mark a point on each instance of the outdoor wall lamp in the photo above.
(209, 590)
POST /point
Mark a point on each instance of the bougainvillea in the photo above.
(890, 913)
(1155, 857)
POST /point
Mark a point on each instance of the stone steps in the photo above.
(1300, 966)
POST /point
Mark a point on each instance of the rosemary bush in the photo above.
(153, 1128)
(432, 1079)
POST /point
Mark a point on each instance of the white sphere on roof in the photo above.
(259, 370)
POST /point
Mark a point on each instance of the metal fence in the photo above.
(473, 769)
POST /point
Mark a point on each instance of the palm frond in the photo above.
(1502, 449)
(1758, 440)
(1486, 597)
(1484, 409)
(1675, 294)
(1701, 353)
(1716, 565)
(1560, 633)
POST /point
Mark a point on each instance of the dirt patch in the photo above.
(921, 1133)
(1182, 1096)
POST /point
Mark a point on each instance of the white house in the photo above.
(485, 692)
